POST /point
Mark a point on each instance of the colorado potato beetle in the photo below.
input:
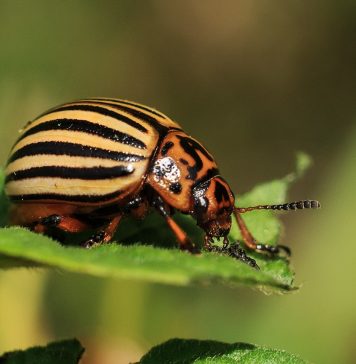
(93, 161)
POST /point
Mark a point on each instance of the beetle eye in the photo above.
(201, 201)
(226, 210)
(201, 205)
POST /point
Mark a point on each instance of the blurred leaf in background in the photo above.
(213, 352)
(68, 352)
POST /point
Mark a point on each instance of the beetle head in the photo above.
(213, 206)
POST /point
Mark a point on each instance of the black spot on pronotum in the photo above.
(212, 172)
(220, 192)
(183, 161)
(175, 187)
(166, 148)
(191, 147)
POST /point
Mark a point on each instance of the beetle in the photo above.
(94, 161)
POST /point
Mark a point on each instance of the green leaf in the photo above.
(62, 352)
(264, 224)
(178, 351)
(141, 262)
(147, 250)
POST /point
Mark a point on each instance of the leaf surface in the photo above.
(147, 250)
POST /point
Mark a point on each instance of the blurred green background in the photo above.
(255, 81)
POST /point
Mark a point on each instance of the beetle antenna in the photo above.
(297, 205)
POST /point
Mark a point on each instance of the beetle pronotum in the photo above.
(102, 159)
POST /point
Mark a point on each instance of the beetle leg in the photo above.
(67, 224)
(184, 242)
(226, 242)
(237, 252)
(181, 236)
(251, 243)
(208, 240)
(105, 234)
(231, 250)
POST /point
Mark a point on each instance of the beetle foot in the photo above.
(96, 239)
(237, 252)
(274, 250)
(234, 251)
(226, 243)
(190, 247)
(208, 242)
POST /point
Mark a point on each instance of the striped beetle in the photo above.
(96, 160)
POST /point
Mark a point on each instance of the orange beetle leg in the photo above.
(181, 236)
(184, 242)
(67, 224)
(247, 237)
(105, 234)
(251, 243)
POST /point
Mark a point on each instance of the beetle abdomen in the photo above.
(91, 151)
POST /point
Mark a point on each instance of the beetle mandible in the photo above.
(101, 159)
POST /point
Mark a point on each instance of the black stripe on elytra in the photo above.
(140, 115)
(94, 173)
(82, 106)
(85, 126)
(73, 150)
(220, 192)
(66, 198)
(191, 146)
(152, 111)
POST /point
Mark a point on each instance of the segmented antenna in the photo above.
(297, 205)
